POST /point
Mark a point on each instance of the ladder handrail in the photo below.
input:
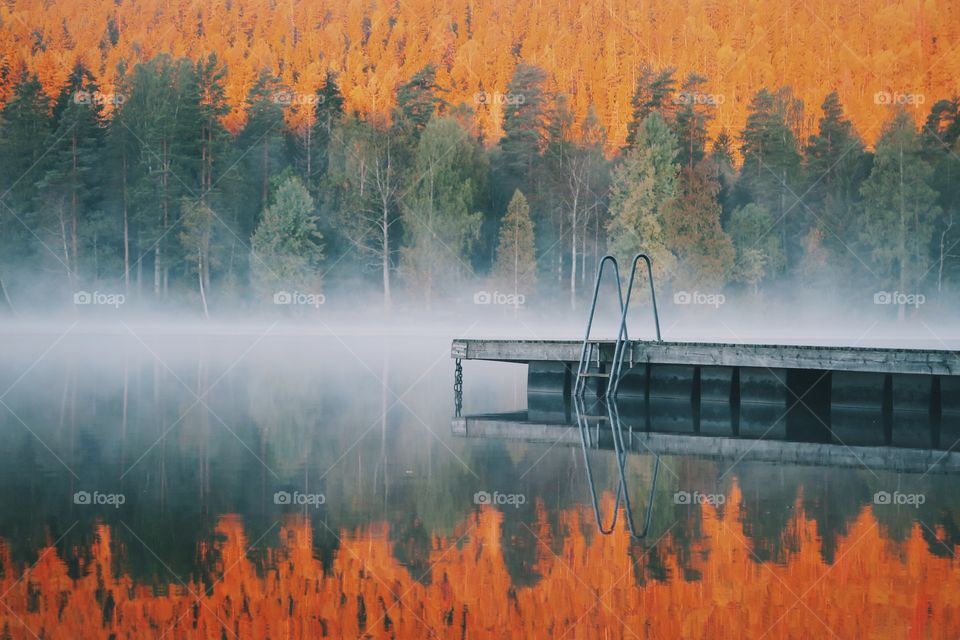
(618, 352)
(583, 366)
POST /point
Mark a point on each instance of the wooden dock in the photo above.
(834, 384)
(853, 359)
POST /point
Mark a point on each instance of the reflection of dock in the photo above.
(518, 426)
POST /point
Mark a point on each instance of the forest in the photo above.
(141, 191)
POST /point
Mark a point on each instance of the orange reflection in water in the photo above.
(874, 588)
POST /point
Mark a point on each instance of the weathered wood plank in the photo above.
(866, 359)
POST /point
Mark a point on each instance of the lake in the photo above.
(252, 484)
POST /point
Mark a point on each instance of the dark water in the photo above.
(254, 486)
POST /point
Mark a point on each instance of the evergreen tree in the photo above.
(261, 145)
(70, 185)
(120, 148)
(287, 247)
(722, 165)
(214, 138)
(760, 253)
(162, 115)
(515, 266)
(900, 209)
(693, 113)
(692, 230)
(653, 93)
(525, 121)
(836, 165)
(327, 115)
(417, 102)
(941, 143)
(25, 229)
(641, 187)
(770, 175)
(439, 220)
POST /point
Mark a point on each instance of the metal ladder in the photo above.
(589, 348)
(586, 351)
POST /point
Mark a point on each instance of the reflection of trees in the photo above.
(301, 419)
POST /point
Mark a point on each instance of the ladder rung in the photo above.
(594, 375)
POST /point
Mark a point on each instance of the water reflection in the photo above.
(616, 427)
(399, 548)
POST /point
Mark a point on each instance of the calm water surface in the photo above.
(255, 486)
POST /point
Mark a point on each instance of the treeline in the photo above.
(139, 189)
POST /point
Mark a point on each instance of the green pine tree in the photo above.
(770, 175)
(703, 249)
(941, 142)
(287, 247)
(525, 120)
(693, 113)
(653, 92)
(69, 188)
(515, 266)
(836, 165)
(900, 209)
(261, 146)
(759, 251)
(26, 230)
(641, 187)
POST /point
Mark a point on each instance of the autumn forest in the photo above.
(220, 154)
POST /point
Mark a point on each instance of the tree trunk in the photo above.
(943, 256)
(901, 309)
(309, 154)
(66, 251)
(126, 229)
(573, 254)
(73, 201)
(200, 278)
(265, 184)
(385, 223)
(6, 296)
